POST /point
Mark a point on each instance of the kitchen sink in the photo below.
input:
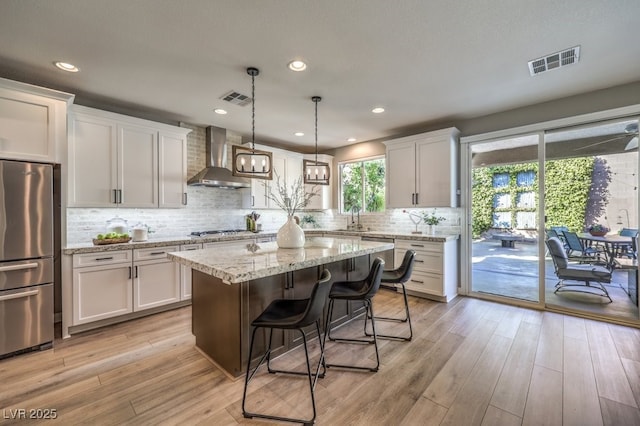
(353, 230)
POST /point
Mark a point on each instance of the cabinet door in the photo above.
(28, 126)
(155, 283)
(101, 292)
(138, 166)
(93, 164)
(401, 178)
(172, 170)
(256, 196)
(435, 167)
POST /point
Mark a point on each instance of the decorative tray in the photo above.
(110, 241)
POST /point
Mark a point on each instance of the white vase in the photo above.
(290, 235)
(431, 229)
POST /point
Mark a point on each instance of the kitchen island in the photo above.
(232, 287)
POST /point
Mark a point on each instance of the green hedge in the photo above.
(567, 192)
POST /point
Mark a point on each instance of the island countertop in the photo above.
(240, 263)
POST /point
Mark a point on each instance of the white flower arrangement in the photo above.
(293, 199)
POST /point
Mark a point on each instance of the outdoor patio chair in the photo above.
(583, 277)
(576, 250)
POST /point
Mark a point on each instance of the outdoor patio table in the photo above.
(610, 243)
(508, 240)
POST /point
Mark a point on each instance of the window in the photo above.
(362, 185)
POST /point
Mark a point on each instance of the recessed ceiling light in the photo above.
(297, 65)
(65, 66)
(352, 140)
(299, 134)
(220, 111)
(377, 110)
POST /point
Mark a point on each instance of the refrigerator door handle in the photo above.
(19, 295)
(18, 267)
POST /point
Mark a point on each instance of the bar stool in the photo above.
(399, 276)
(363, 290)
(291, 314)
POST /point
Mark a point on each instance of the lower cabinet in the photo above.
(156, 279)
(102, 286)
(113, 283)
(435, 271)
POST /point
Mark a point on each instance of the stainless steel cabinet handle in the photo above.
(417, 245)
(419, 261)
(184, 198)
(18, 267)
(19, 295)
(98, 259)
(129, 272)
(253, 200)
(115, 196)
(417, 198)
(417, 281)
(136, 271)
(413, 198)
(190, 249)
(119, 196)
(155, 253)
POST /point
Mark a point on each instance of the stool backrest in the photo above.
(317, 300)
(406, 267)
(372, 282)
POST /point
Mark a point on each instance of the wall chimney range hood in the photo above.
(216, 174)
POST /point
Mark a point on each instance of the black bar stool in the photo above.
(357, 290)
(399, 276)
(291, 314)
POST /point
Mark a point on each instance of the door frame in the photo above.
(465, 197)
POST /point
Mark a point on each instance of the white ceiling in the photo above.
(424, 61)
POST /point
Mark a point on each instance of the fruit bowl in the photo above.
(598, 233)
(105, 241)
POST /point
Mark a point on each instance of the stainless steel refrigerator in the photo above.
(26, 256)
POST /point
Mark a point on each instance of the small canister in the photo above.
(140, 232)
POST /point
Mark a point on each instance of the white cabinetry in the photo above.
(185, 273)
(120, 161)
(286, 165)
(422, 170)
(32, 122)
(102, 286)
(156, 279)
(435, 271)
(322, 201)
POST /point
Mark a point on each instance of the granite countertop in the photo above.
(169, 241)
(238, 264)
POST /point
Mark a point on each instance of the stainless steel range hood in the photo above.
(216, 174)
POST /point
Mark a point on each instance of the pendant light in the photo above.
(316, 172)
(250, 162)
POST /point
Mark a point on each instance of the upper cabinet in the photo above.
(32, 122)
(120, 161)
(422, 170)
(322, 201)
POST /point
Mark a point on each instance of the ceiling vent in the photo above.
(555, 60)
(236, 98)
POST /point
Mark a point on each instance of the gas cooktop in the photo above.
(216, 232)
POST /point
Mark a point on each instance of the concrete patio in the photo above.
(513, 272)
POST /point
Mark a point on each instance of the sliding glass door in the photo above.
(591, 182)
(504, 211)
(560, 183)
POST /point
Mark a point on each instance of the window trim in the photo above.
(339, 175)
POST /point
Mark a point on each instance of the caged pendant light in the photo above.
(316, 172)
(250, 162)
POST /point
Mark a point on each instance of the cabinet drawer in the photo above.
(153, 253)
(102, 258)
(425, 282)
(424, 246)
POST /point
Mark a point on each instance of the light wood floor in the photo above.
(471, 362)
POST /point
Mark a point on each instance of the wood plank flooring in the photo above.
(471, 362)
